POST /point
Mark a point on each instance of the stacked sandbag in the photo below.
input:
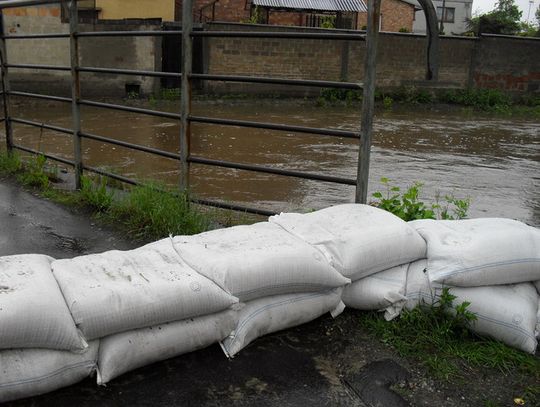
(40, 346)
(491, 263)
(506, 312)
(142, 304)
(370, 246)
(282, 280)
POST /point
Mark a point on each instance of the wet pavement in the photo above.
(29, 224)
(317, 364)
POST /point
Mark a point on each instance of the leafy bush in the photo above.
(408, 206)
(484, 99)
(332, 96)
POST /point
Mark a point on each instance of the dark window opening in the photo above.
(446, 14)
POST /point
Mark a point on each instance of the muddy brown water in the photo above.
(494, 161)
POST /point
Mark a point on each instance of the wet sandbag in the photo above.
(419, 290)
(507, 313)
(117, 291)
(481, 252)
(382, 291)
(271, 314)
(127, 351)
(358, 240)
(33, 313)
(257, 261)
(30, 372)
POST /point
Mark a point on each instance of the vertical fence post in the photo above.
(75, 90)
(5, 86)
(370, 64)
(185, 96)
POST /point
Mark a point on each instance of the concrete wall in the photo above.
(490, 61)
(142, 53)
(119, 9)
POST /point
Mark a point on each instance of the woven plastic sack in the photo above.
(382, 291)
(258, 261)
(358, 240)
(30, 372)
(507, 313)
(127, 351)
(481, 252)
(33, 313)
(117, 291)
(271, 314)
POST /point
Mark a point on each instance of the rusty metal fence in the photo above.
(184, 157)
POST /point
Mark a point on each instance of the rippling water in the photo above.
(494, 161)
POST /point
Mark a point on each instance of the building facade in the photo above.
(453, 13)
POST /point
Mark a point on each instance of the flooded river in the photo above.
(494, 161)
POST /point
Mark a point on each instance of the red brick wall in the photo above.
(395, 15)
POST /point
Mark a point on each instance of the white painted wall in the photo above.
(463, 11)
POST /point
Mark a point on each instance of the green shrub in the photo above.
(484, 99)
(408, 206)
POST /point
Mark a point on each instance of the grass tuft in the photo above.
(150, 212)
(438, 337)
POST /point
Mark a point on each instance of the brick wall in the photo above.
(490, 61)
(142, 53)
(395, 15)
(507, 63)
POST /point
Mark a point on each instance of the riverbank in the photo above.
(324, 362)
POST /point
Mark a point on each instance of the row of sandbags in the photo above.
(116, 311)
(493, 264)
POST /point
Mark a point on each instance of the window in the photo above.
(447, 16)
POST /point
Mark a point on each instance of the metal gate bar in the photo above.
(185, 116)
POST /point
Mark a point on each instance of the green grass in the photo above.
(10, 163)
(441, 342)
(151, 212)
(147, 212)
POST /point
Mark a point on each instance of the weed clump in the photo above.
(150, 212)
(408, 206)
(437, 335)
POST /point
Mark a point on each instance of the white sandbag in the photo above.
(271, 314)
(481, 252)
(118, 291)
(419, 290)
(538, 321)
(507, 313)
(537, 285)
(382, 291)
(258, 261)
(358, 240)
(30, 372)
(127, 351)
(33, 313)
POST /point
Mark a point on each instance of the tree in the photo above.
(503, 19)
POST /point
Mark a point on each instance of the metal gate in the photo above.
(187, 78)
